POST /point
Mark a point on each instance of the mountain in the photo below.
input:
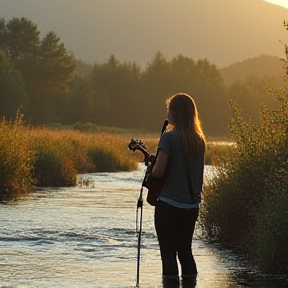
(223, 31)
(263, 66)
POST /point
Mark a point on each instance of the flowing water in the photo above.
(85, 236)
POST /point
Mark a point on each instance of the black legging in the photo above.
(175, 228)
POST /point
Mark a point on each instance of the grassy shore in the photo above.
(53, 157)
(44, 157)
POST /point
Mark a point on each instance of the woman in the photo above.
(180, 160)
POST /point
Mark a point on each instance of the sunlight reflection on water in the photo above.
(85, 236)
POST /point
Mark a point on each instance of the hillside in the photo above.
(263, 65)
(223, 31)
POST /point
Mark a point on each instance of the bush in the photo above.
(249, 185)
(269, 238)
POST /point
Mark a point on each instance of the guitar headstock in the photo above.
(136, 144)
(139, 145)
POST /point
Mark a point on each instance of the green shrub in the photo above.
(249, 185)
(269, 238)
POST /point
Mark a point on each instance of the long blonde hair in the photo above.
(185, 119)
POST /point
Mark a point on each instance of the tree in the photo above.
(20, 39)
(157, 84)
(251, 93)
(3, 31)
(117, 86)
(45, 65)
(200, 79)
(80, 102)
(48, 81)
(12, 91)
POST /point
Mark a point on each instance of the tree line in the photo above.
(40, 76)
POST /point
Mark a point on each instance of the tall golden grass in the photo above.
(46, 157)
(49, 157)
(62, 154)
(17, 159)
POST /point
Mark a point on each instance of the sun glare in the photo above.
(283, 3)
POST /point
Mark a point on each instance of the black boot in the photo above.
(189, 281)
(170, 281)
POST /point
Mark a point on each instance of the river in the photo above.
(85, 236)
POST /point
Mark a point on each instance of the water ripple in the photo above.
(85, 236)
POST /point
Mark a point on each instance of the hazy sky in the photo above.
(222, 31)
(283, 3)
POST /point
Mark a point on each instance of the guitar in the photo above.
(152, 184)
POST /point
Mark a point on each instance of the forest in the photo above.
(42, 78)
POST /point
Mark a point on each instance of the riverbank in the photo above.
(44, 157)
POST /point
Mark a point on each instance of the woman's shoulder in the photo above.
(172, 133)
(171, 136)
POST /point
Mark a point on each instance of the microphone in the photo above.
(164, 126)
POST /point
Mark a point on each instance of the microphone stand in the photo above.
(140, 206)
(139, 232)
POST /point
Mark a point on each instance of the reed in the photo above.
(110, 153)
(62, 154)
(17, 159)
(53, 157)
(46, 157)
(217, 152)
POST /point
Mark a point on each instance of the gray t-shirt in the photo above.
(175, 187)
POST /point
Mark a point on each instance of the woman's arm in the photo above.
(160, 164)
